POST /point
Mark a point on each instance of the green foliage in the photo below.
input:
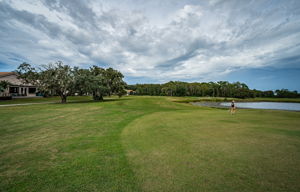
(211, 89)
(114, 81)
(284, 93)
(3, 85)
(106, 82)
(54, 78)
(63, 80)
(121, 93)
(131, 87)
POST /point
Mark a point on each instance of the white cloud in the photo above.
(192, 41)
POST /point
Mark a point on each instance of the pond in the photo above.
(265, 105)
(254, 105)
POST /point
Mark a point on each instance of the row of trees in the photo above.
(213, 89)
(285, 93)
(63, 80)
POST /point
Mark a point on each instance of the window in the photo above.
(32, 90)
(13, 89)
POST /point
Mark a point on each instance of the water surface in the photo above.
(265, 105)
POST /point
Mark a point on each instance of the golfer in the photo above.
(233, 108)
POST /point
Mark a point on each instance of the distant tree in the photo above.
(54, 78)
(98, 83)
(121, 93)
(285, 93)
(31, 75)
(213, 89)
(114, 81)
(63, 80)
(267, 94)
(131, 87)
(83, 81)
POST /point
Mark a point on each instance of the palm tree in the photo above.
(4, 85)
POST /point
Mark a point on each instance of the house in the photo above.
(16, 87)
(130, 92)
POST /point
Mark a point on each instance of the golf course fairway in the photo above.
(147, 143)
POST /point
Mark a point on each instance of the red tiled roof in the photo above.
(6, 73)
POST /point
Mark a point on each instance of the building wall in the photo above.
(13, 79)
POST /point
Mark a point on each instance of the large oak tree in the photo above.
(63, 80)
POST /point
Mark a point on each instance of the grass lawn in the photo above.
(146, 144)
(44, 100)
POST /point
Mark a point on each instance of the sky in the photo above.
(252, 41)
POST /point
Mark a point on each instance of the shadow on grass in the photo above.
(93, 101)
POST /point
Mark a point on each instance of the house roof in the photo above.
(14, 80)
(2, 74)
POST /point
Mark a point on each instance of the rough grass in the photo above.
(147, 144)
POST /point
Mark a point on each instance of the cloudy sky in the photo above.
(256, 42)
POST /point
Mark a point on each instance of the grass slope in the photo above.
(147, 144)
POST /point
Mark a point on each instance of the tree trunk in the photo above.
(63, 98)
(101, 98)
(98, 97)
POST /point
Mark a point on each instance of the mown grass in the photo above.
(147, 144)
(53, 99)
(71, 99)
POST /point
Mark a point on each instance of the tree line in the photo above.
(64, 80)
(211, 89)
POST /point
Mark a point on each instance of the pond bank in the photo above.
(253, 105)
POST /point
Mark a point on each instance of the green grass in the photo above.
(147, 144)
(44, 100)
